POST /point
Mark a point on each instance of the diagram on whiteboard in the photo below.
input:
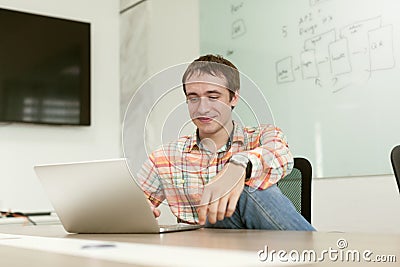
(339, 57)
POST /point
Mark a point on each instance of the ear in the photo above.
(235, 99)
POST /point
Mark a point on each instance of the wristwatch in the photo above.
(239, 159)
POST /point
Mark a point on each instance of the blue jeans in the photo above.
(264, 209)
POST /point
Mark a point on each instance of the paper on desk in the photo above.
(133, 253)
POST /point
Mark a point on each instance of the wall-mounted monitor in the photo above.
(44, 69)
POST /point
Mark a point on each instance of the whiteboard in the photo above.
(328, 68)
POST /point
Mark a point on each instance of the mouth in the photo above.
(204, 119)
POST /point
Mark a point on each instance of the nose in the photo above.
(204, 105)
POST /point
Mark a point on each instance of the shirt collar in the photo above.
(237, 135)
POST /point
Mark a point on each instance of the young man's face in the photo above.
(209, 105)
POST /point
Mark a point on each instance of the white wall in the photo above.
(174, 38)
(357, 204)
(23, 146)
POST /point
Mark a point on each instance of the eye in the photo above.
(213, 98)
(193, 99)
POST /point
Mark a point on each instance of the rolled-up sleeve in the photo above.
(150, 183)
(271, 160)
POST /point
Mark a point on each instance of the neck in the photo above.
(215, 141)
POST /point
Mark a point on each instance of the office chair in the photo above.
(395, 158)
(297, 187)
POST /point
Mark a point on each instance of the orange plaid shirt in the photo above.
(178, 171)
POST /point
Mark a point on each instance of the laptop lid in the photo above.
(97, 197)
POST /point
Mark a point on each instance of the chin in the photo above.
(208, 130)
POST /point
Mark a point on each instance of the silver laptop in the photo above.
(100, 197)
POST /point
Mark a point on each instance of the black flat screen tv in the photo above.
(44, 69)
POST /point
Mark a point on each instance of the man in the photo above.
(224, 175)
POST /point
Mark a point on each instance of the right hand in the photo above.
(221, 195)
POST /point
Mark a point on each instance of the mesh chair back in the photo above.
(395, 158)
(297, 186)
(290, 186)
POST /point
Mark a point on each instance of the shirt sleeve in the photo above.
(271, 159)
(150, 182)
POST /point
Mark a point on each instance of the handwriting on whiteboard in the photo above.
(336, 57)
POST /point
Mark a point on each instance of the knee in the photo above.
(272, 196)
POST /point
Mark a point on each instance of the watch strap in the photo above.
(249, 168)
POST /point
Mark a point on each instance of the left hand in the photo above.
(221, 195)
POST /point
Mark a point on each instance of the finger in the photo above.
(206, 197)
(222, 206)
(212, 212)
(230, 209)
(203, 206)
(156, 212)
(202, 213)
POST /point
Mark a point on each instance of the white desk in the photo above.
(240, 242)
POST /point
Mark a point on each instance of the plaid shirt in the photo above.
(179, 170)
